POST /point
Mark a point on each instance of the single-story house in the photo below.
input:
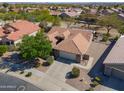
(105, 12)
(70, 43)
(68, 14)
(14, 32)
(114, 62)
(93, 11)
(121, 16)
(55, 13)
(118, 10)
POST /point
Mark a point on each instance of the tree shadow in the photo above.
(98, 68)
(14, 63)
(69, 75)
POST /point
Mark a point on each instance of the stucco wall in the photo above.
(18, 41)
(114, 70)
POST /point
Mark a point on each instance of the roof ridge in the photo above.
(75, 43)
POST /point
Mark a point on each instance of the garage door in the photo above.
(67, 55)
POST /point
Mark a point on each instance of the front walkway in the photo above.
(87, 67)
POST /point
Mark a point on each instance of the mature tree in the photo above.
(35, 46)
(26, 48)
(3, 49)
(110, 21)
(100, 8)
(43, 45)
(121, 30)
(56, 21)
(88, 18)
(5, 5)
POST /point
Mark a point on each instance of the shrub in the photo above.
(116, 38)
(95, 83)
(75, 72)
(50, 60)
(105, 37)
(28, 74)
(97, 79)
(3, 49)
(21, 72)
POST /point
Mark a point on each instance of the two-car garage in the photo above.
(66, 55)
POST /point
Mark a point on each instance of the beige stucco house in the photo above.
(114, 63)
(69, 43)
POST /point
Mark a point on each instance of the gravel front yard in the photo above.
(95, 51)
(82, 82)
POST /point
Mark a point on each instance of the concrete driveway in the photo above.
(58, 70)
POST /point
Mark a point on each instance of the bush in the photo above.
(97, 79)
(50, 60)
(75, 72)
(28, 74)
(105, 37)
(95, 83)
(21, 72)
(3, 49)
(116, 38)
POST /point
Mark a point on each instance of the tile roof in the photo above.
(116, 55)
(1, 32)
(55, 13)
(23, 28)
(72, 13)
(76, 41)
(74, 44)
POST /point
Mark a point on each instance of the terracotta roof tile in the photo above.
(24, 27)
(76, 41)
(1, 32)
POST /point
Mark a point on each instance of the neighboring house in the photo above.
(15, 31)
(70, 43)
(1, 34)
(93, 11)
(105, 12)
(118, 10)
(55, 13)
(114, 63)
(70, 13)
(121, 16)
(64, 15)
